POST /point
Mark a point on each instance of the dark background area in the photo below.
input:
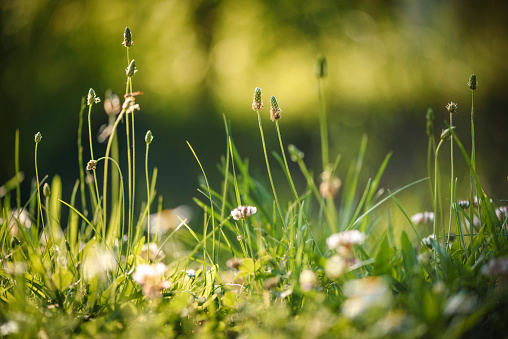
(197, 60)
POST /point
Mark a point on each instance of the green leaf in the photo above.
(382, 263)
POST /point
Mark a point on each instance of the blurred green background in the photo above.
(197, 60)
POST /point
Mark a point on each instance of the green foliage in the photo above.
(258, 264)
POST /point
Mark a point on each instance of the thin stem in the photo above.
(293, 187)
(40, 217)
(322, 124)
(16, 169)
(268, 169)
(147, 200)
(80, 158)
(436, 176)
(473, 164)
(94, 175)
(106, 163)
(452, 199)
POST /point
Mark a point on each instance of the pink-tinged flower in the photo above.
(307, 280)
(150, 277)
(151, 251)
(243, 212)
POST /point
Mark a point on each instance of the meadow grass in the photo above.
(323, 262)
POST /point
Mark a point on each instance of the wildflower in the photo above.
(17, 218)
(460, 303)
(191, 273)
(97, 262)
(151, 251)
(9, 327)
(345, 239)
(148, 137)
(464, 204)
(243, 212)
(169, 219)
(321, 67)
(131, 69)
(335, 267)
(364, 294)
(502, 212)
(428, 240)
(257, 103)
(239, 238)
(495, 266)
(472, 83)
(307, 280)
(46, 190)
(423, 218)
(330, 184)
(150, 277)
(129, 105)
(112, 105)
(127, 38)
(274, 109)
(295, 153)
(92, 97)
(451, 107)
(92, 164)
(38, 137)
(447, 133)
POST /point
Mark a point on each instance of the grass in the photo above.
(325, 262)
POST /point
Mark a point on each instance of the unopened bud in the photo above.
(127, 38)
(472, 82)
(38, 137)
(447, 133)
(274, 109)
(295, 153)
(67, 246)
(46, 190)
(131, 70)
(92, 97)
(148, 137)
(257, 103)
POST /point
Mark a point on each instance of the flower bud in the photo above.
(451, 107)
(472, 82)
(257, 103)
(46, 190)
(295, 153)
(91, 165)
(274, 109)
(148, 137)
(447, 133)
(127, 38)
(67, 246)
(92, 97)
(131, 70)
(38, 137)
(321, 67)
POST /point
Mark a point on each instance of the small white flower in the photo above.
(150, 277)
(307, 280)
(428, 240)
(243, 212)
(423, 218)
(345, 239)
(335, 267)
